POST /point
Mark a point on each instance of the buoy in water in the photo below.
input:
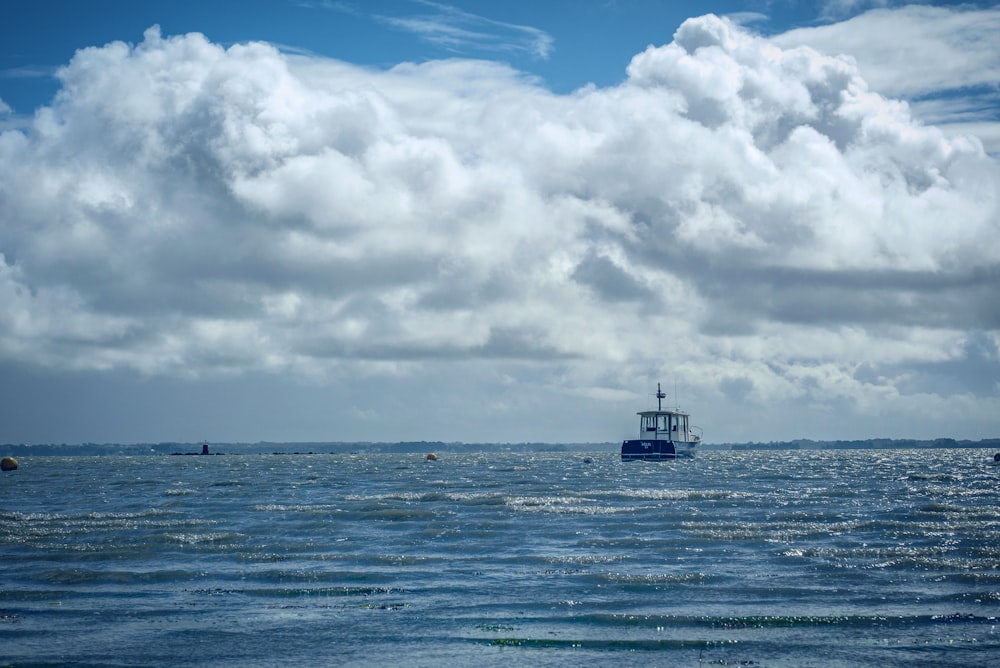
(432, 457)
(8, 464)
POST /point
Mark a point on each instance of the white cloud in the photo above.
(458, 30)
(753, 219)
(943, 59)
(913, 50)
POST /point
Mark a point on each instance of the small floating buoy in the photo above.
(996, 457)
(587, 460)
(8, 464)
(432, 457)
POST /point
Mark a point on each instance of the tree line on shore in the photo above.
(361, 447)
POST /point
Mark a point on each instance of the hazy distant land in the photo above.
(265, 447)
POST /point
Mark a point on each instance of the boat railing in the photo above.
(696, 431)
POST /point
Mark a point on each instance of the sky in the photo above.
(325, 220)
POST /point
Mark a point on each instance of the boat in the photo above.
(663, 434)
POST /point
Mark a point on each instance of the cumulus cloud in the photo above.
(943, 59)
(752, 218)
(928, 49)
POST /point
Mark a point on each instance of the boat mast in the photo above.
(660, 396)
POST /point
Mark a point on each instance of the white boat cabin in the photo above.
(665, 426)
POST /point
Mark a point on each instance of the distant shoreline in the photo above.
(341, 447)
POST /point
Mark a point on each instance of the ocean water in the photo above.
(832, 558)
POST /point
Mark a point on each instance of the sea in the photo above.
(769, 558)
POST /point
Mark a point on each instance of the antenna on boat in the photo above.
(660, 396)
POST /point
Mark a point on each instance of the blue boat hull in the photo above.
(653, 449)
